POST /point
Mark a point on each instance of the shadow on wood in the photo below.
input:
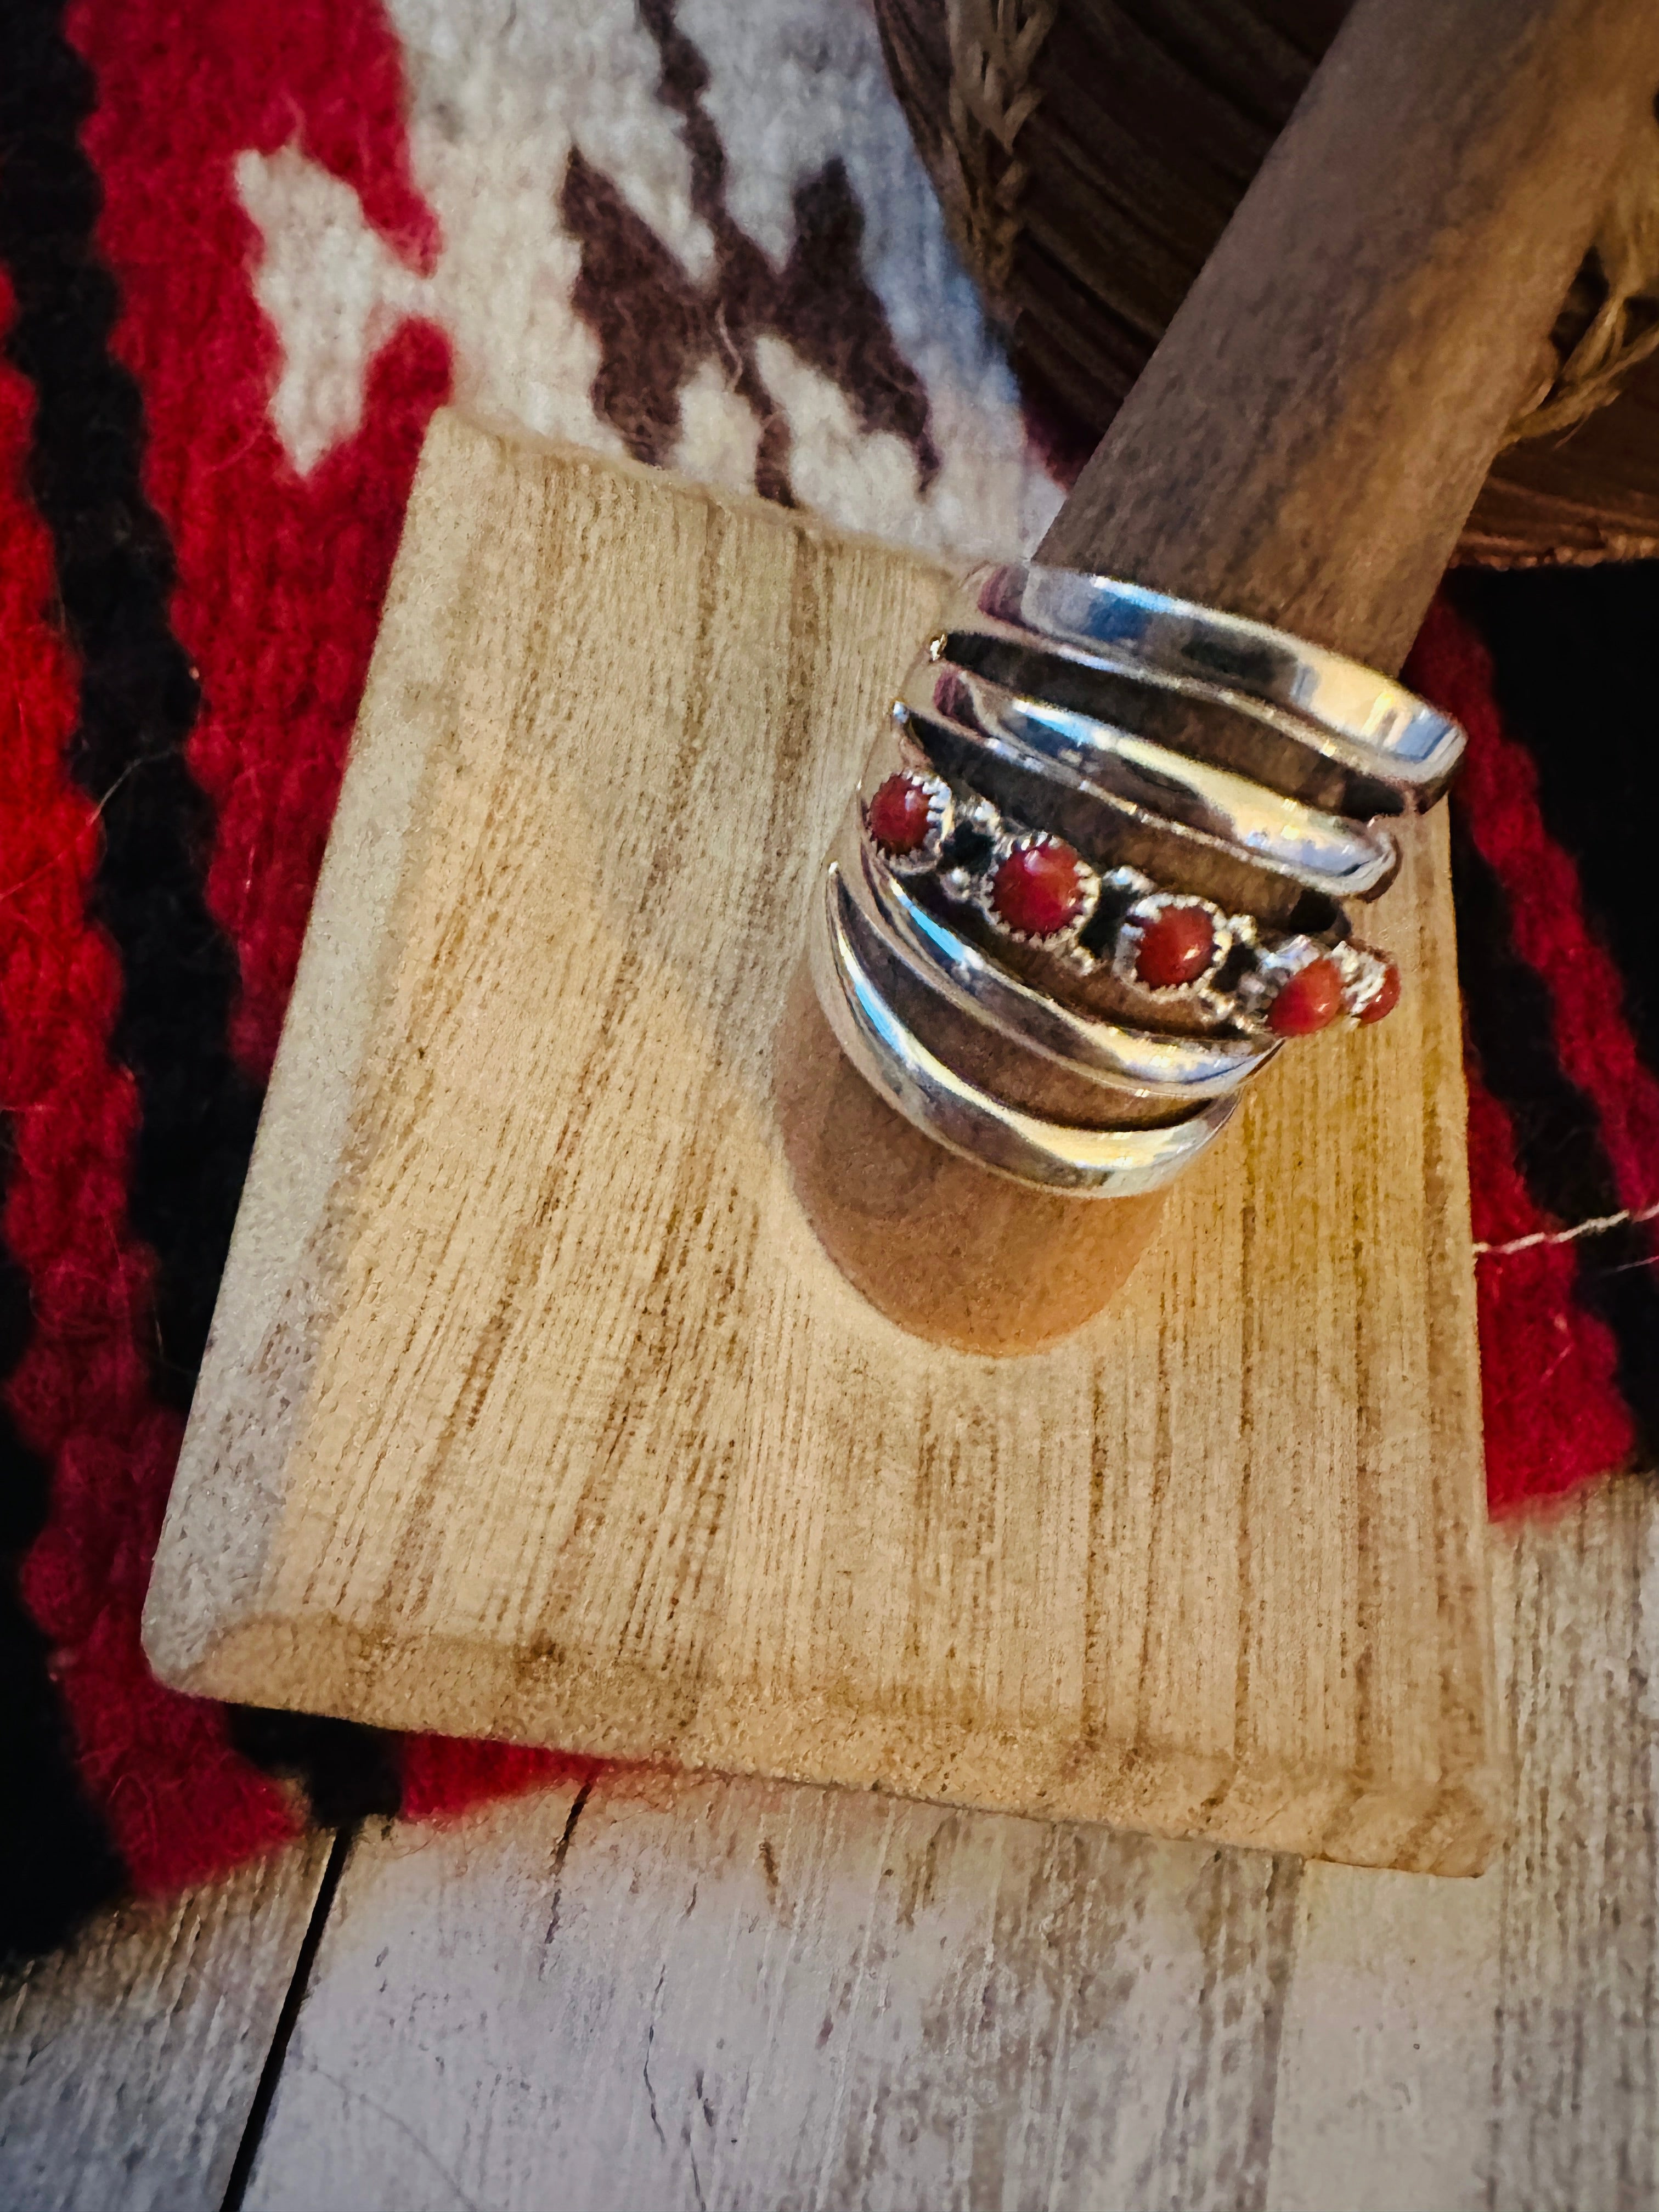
(943, 1247)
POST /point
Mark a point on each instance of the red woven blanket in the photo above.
(245, 252)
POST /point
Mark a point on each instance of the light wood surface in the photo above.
(128, 2064)
(1028, 2018)
(532, 1406)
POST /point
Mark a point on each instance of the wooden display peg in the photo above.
(534, 1406)
(1303, 447)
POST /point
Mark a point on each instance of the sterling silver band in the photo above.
(1144, 1065)
(1060, 942)
(965, 1118)
(1187, 798)
(1339, 706)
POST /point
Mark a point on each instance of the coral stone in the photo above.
(1310, 1000)
(1386, 997)
(898, 814)
(1039, 888)
(1176, 945)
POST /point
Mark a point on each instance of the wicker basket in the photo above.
(1088, 154)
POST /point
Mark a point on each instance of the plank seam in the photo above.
(294, 1997)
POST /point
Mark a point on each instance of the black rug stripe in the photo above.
(1574, 658)
(138, 703)
(56, 1861)
(347, 1771)
(138, 700)
(1559, 1148)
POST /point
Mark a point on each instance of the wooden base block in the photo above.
(534, 1408)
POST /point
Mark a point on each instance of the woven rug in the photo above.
(245, 252)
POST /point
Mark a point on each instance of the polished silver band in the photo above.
(1337, 707)
(1146, 1066)
(969, 1120)
(1094, 874)
(1191, 799)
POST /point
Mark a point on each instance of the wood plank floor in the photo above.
(128, 2066)
(707, 1993)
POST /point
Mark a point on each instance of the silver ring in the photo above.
(1341, 710)
(1058, 943)
(1137, 1061)
(969, 1120)
(1095, 954)
(1147, 781)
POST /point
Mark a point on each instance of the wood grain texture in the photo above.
(1576, 2071)
(128, 2063)
(706, 1993)
(1452, 2047)
(1018, 2016)
(701, 1993)
(532, 1406)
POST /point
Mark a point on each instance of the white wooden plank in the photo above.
(1494, 2043)
(1384, 2099)
(128, 2063)
(739, 1994)
(747, 1995)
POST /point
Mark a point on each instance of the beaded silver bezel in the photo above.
(941, 819)
(1364, 971)
(1227, 930)
(1063, 941)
